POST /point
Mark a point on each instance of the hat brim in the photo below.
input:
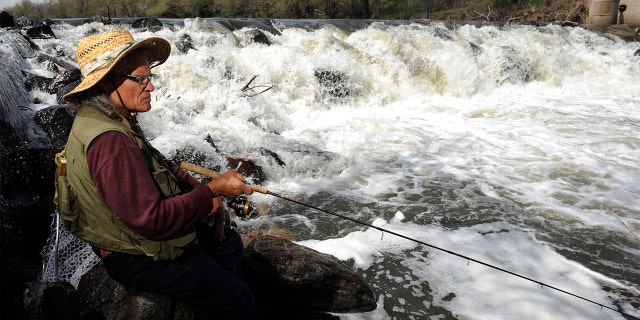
(158, 52)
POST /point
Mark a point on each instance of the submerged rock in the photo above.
(333, 84)
(185, 43)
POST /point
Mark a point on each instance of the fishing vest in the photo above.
(84, 212)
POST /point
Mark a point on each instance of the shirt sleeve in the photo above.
(183, 174)
(122, 177)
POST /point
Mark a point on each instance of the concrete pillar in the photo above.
(604, 12)
(632, 13)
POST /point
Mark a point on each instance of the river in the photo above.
(513, 145)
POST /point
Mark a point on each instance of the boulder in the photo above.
(56, 122)
(99, 297)
(258, 36)
(290, 281)
(288, 276)
(6, 20)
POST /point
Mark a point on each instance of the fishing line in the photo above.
(542, 284)
(260, 189)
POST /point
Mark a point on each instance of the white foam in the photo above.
(516, 123)
(481, 292)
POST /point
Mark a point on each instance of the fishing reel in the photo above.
(241, 206)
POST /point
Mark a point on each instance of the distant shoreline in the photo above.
(624, 31)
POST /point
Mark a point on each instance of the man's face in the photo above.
(134, 92)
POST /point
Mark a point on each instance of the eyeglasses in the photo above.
(142, 80)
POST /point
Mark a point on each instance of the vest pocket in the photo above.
(166, 184)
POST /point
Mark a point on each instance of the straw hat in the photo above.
(98, 54)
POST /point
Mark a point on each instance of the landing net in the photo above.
(65, 257)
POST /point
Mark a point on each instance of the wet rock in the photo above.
(150, 23)
(185, 43)
(6, 20)
(50, 300)
(333, 83)
(106, 20)
(259, 37)
(36, 28)
(67, 74)
(26, 198)
(100, 297)
(63, 78)
(33, 82)
(443, 34)
(40, 32)
(273, 155)
(56, 121)
(290, 282)
(64, 90)
(247, 168)
(513, 68)
(288, 276)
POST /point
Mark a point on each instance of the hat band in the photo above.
(104, 60)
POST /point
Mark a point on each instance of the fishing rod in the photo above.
(214, 174)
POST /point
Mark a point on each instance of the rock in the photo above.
(104, 298)
(247, 168)
(63, 78)
(244, 166)
(56, 121)
(288, 276)
(33, 82)
(36, 28)
(273, 155)
(50, 300)
(259, 37)
(100, 297)
(333, 83)
(149, 23)
(106, 20)
(40, 32)
(6, 20)
(185, 43)
(51, 85)
(64, 90)
(290, 281)
(623, 31)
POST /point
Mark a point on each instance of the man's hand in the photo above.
(216, 219)
(231, 184)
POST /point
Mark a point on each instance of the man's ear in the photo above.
(106, 84)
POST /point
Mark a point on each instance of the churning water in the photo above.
(514, 145)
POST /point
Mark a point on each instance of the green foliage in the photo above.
(292, 9)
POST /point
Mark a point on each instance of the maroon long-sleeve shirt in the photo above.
(120, 172)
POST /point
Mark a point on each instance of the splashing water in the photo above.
(509, 144)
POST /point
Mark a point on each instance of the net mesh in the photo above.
(65, 257)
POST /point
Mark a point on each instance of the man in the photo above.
(141, 213)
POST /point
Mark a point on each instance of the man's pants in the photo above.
(206, 276)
